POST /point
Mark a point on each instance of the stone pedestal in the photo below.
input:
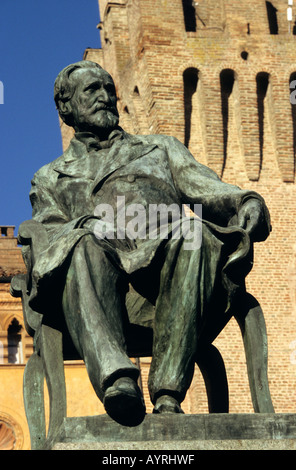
(180, 433)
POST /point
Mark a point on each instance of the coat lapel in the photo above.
(75, 162)
(97, 166)
(121, 153)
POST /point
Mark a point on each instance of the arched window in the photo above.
(14, 343)
(272, 18)
(262, 81)
(189, 15)
(190, 80)
(227, 78)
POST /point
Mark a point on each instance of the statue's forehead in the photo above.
(89, 75)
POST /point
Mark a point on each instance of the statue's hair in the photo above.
(63, 86)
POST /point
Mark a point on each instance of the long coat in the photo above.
(150, 169)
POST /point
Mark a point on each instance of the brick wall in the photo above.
(147, 49)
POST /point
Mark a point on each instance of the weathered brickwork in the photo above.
(239, 121)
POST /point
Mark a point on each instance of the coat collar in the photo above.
(78, 161)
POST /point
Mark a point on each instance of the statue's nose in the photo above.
(103, 96)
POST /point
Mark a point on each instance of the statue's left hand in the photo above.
(252, 217)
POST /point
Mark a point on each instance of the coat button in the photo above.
(131, 178)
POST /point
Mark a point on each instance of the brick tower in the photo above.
(216, 74)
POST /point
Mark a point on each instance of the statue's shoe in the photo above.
(167, 404)
(124, 403)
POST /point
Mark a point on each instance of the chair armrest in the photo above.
(18, 288)
(33, 236)
(18, 285)
(33, 233)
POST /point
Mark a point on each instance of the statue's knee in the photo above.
(92, 250)
(191, 234)
(87, 242)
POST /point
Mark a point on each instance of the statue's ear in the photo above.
(65, 111)
(65, 107)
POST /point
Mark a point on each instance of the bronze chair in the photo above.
(52, 345)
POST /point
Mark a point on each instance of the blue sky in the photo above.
(37, 39)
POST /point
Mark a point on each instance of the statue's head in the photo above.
(85, 97)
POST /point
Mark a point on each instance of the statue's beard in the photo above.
(106, 119)
(101, 121)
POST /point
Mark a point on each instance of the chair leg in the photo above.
(33, 383)
(52, 355)
(211, 365)
(253, 328)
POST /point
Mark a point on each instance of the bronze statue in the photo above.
(85, 272)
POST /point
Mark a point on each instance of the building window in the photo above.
(190, 80)
(227, 78)
(262, 82)
(14, 343)
(189, 15)
(272, 18)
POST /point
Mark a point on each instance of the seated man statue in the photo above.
(84, 200)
